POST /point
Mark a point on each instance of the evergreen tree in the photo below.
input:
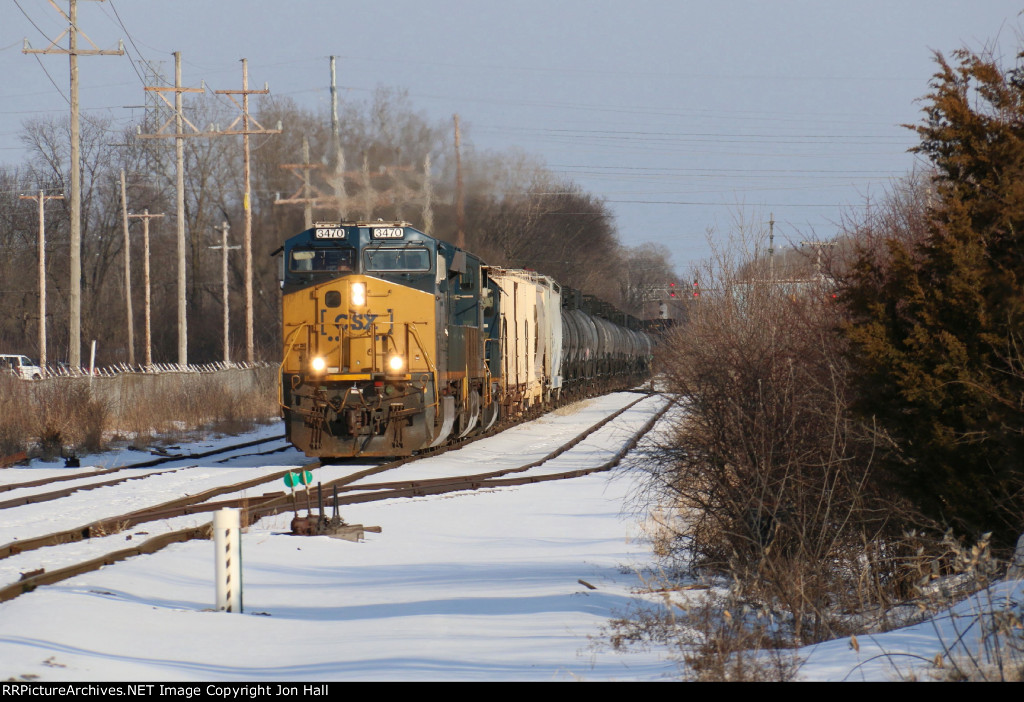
(937, 327)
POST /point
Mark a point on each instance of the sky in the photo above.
(686, 117)
(507, 584)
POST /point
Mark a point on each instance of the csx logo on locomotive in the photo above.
(359, 322)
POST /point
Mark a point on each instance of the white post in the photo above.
(92, 361)
(227, 544)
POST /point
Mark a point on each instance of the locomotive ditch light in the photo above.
(358, 294)
(318, 364)
(396, 364)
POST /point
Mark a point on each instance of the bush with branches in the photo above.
(773, 479)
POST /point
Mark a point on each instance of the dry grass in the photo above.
(713, 635)
(987, 641)
(64, 416)
(14, 425)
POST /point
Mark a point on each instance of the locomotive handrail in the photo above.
(284, 359)
(411, 327)
(488, 395)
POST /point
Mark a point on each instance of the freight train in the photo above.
(396, 342)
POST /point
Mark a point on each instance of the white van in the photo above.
(21, 366)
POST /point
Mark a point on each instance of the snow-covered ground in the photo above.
(469, 586)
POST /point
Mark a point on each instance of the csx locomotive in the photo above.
(395, 342)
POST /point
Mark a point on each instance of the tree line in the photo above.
(389, 162)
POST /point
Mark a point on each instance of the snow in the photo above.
(467, 586)
(964, 632)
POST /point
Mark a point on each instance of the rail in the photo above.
(274, 503)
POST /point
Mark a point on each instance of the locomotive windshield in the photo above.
(322, 260)
(405, 259)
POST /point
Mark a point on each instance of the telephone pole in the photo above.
(223, 229)
(42, 271)
(460, 209)
(246, 131)
(127, 272)
(339, 155)
(73, 52)
(179, 136)
(428, 198)
(311, 196)
(145, 217)
(819, 245)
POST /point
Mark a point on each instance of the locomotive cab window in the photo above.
(394, 259)
(322, 260)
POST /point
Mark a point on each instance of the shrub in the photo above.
(773, 479)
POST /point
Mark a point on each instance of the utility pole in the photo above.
(223, 229)
(179, 136)
(341, 198)
(145, 217)
(308, 199)
(127, 272)
(368, 196)
(428, 197)
(307, 210)
(42, 271)
(311, 195)
(771, 246)
(819, 245)
(460, 209)
(73, 52)
(246, 131)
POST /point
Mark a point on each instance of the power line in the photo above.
(131, 40)
(632, 133)
(725, 204)
(31, 21)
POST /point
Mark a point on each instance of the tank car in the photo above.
(395, 341)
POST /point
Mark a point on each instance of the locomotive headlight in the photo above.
(318, 364)
(358, 294)
(396, 364)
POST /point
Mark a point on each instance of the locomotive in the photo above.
(396, 342)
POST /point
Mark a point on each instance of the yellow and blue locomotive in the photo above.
(395, 342)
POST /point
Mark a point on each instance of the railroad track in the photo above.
(258, 507)
(65, 492)
(152, 463)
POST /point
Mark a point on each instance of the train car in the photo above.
(396, 342)
(529, 333)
